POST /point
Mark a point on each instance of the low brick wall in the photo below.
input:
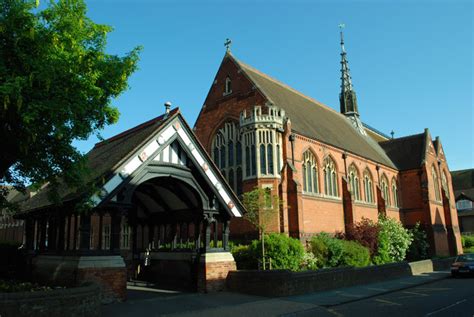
(286, 283)
(109, 272)
(75, 302)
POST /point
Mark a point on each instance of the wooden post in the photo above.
(61, 224)
(101, 225)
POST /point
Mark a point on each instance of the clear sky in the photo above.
(411, 61)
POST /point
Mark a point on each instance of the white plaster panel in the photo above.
(151, 148)
(132, 165)
(113, 183)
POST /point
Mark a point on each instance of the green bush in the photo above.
(327, 250)
(418, 249)
(244, 257)
(467, 241)
(355, 254)
(333, 252)
(393, 241)
(284, 252)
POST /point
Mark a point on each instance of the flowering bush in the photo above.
(393, 241)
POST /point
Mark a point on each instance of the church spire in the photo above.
(347, 97)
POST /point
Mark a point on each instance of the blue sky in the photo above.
(411, 61)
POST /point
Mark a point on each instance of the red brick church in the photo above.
(329, 168)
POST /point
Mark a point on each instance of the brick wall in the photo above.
(79, 302)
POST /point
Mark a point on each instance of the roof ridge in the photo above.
(278, 82)
(403, 138)
(463, 170)
(135, 128)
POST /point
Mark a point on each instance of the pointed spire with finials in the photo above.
(347, 97)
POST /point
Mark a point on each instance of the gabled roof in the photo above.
(112, 160)
(463, 183)
(313, 119)
(406, 152)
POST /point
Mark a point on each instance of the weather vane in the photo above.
(227, 44)
(342, 25)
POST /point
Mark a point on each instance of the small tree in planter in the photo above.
(262, 208)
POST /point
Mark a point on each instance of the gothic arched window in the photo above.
(435, 183)
(330, 177)
(385, 190)
(368, 187)
(310, 173)
(396, 199)
(444, 183)
(354, 183)
(227, 151)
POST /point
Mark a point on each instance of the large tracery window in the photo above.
(396, 201)
(435, 183)
(385, 190)
(310, 173)
(227, 154)
(368, 187)
(444, 183)
(354, 182)
(330, 177)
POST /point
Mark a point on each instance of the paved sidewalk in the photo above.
(153, 303)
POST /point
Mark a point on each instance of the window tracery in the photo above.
(227, 154)
(434, 176)
(354, 183)
(368, 187)
(310, 173)
(330, 178)
(385, 190)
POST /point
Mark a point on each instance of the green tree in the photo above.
(57, 84)
(262, 208)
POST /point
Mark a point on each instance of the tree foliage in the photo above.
(261, 211)
(57, 84)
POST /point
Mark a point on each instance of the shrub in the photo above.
(319, 249)
(284, 252)
(244, 257)
(468, 241)
(365, 232)
(418, 249)
(355, 254)
(327, 250)
(309, 262)
(393, 241)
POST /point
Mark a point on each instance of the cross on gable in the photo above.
(227, 44)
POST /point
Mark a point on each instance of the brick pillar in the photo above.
(347, 205)
(213, 270)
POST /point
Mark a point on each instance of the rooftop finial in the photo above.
(167, 107)
(227, 44)
(342, 26)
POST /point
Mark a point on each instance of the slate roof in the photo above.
(104, 158)
(406, 152)
(463, 183)
(312, 119)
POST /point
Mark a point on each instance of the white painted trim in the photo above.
(150, 150)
